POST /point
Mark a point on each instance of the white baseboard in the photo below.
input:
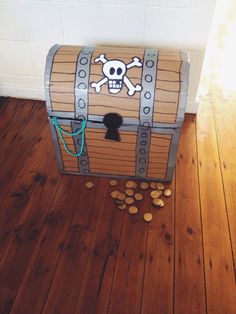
(38, 94)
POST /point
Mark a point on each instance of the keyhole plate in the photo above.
(112, 121)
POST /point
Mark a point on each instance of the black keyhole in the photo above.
(112, 121)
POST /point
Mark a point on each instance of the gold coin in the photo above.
(113, 182)
(122, 206)
(147, 217)
(129, 200)
(133, 210)
(155, 194)
(121, 196)
(129, 192)
(130, 184)
(114, 194)
(167, 192)
(160, 186)
(89, 185)
(138, 196)
(144, 185)
(153, 185)
(158, 202)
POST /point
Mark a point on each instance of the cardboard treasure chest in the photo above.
(116, 111)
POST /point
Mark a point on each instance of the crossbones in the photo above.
(115, 74)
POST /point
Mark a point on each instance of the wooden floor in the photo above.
(65, 249)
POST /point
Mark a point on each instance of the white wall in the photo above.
(29, 28)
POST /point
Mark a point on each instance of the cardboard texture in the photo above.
(133, 100)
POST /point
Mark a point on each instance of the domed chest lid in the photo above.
(144, 86)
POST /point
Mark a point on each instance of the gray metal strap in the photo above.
(148, 86)
(142, 150)
(82, 83)
(184, 86)
(83, 160)
(172, 154)
(47, 75)
(56, 145)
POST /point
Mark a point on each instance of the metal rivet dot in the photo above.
(147, 95)
(142, 151)
(82, 86)
(143, 143)
(148, 78)
(142, 160)
(141, 170)
(81, 117)
(86, 52)
(146, 123)
(85, 171)
(144, 135)
(83, 61)
(149, 63)
(83, 163)
(82, 73)
(146, 110)
(81, 103)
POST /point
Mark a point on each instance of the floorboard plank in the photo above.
(27, 230)
(189, 262)
(76, 247)
(20, 186)
(126, 294)
(159, 268)
(99, 273)
(18, 142)
(225, 117)
(37, 279)
(220, 281)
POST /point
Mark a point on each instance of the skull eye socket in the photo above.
(119, 71)
(112, 70)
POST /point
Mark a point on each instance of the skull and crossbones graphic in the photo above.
(115, 74)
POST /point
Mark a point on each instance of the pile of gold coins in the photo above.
(130, 199)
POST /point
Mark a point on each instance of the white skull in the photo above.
(114, 70)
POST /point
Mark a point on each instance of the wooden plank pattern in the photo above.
(126, 294)
(225, 127)
(66, 249)
(75, 249)
(159, 269)
(218, 257)
(189, 263)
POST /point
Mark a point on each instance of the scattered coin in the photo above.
(144, 185)
(113, 182)
(114, 194)
(89, 185)
(167, 192)
(135, 185)
(129, 192)
(147, 217)
(133, 210)
(122, 206)
(155, 194)
(153, 185)
(121, 196)
(138, 196)
(158, 202)
(130, 184)
(160, 186)
(129, 200)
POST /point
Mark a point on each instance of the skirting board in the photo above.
(38, 94)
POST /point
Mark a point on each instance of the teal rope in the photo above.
(60, 131)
